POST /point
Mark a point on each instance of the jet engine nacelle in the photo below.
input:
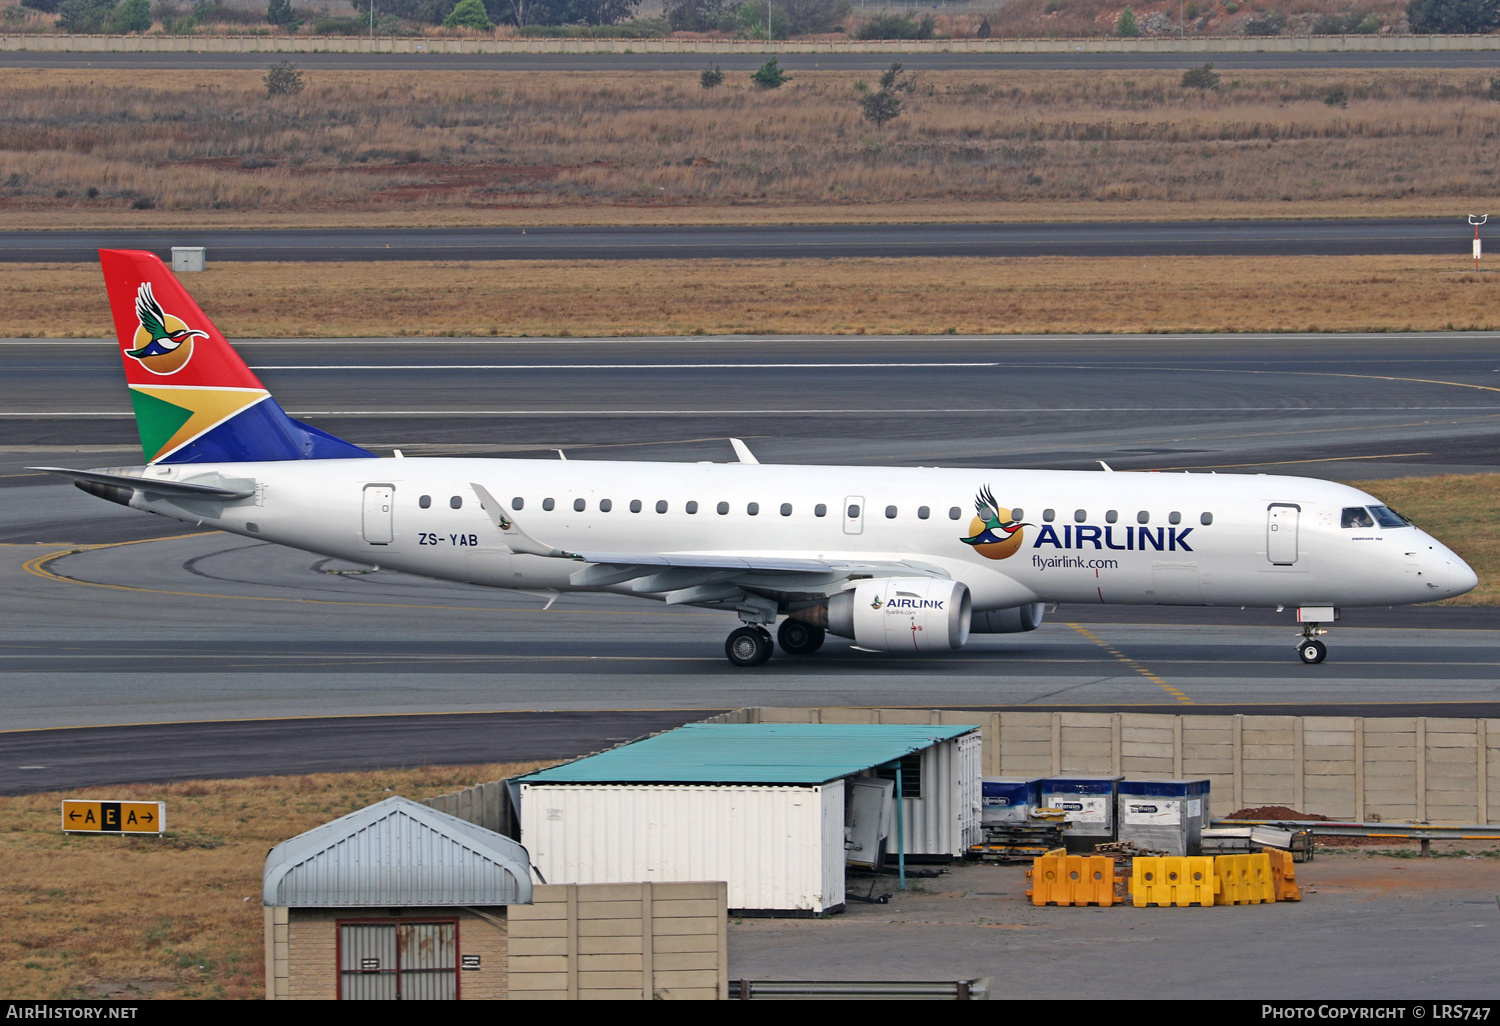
(1009, 621)
(903, 614)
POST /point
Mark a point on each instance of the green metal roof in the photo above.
(751, 753)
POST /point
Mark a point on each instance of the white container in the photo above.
(187, 258)
(781, 848)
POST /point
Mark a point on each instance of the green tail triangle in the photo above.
(157, 420)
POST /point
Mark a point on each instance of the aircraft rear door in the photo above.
(854, 514)
(1281, 532)
(379, 500)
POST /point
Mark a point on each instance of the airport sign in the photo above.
(101, 817)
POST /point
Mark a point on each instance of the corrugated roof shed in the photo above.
(395, 853)
(751, 753)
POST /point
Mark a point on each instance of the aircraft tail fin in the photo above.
(195, 400)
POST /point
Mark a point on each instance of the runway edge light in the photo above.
(108, 817)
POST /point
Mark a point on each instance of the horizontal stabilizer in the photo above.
(240, 489)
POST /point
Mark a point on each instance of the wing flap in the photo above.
(239, 489)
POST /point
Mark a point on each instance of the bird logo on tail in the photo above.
(993, 534)
(163, 343)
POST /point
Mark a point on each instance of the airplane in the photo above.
(895, 559)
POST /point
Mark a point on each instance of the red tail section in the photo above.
(165, 339)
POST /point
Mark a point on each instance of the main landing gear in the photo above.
(751, 645)
(1311, 650)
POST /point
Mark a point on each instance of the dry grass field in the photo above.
(841, 297)
(122, 148)
(1461, 510)
(94, 916)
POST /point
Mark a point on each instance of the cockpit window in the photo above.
(1387, 517)
(1357, 516)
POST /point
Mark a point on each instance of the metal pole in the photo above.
(900, 832)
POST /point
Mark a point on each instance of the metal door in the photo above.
(854, 514)
(377, 524)
(398, 961)
(367, 963)
(1281, 532)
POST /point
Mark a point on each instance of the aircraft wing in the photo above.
(238, 489)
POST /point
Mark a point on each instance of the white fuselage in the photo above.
(1205, 540)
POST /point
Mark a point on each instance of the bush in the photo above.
(810, 17)
(143, 203)
(1200, 78)
(769, 75)
(469, 14)
(712, 77)
(340, 27)
(694, 15)
(896, 26)
(279, 12)
(283, 79)
(983, 31)
(1127, 25)
(131, 16)
(1495, 87)
(880, 107)
(1268, 24)
(85, 15)
(748, 21)
(1338, 96)
(45, 6)
(1457, 16)
(423, 12)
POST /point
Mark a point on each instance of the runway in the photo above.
(207, 627)
(694, 63)
(784, 242)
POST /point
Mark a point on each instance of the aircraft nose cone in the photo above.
(1462, 577)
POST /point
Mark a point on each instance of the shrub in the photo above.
(279, 12)
(897, 26)
(1126, 24)
(283, 79)
(339, 27)
(1200, 78)
(983, 31)
(809, 17)
(45, 6)
(1368, 25)
(143, 203)
(1458, 16)
(469, 14)
(694, 15)
(85, 15)
(1268, 24)
(131, 16)
(712, 77)
(1338, 96)
(880, 107)
(1495, 87)
(894, 80)
(769, 75)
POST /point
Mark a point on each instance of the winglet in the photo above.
(516, 539)
(743, 451)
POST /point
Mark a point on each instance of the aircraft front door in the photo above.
(379, 500)
(1281, 533)
(854, 514)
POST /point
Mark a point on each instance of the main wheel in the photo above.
(748, 646)
(798, 638)
(1312, 652)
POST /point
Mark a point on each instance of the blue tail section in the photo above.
(264, 433)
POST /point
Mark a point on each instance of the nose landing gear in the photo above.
(1311, 650)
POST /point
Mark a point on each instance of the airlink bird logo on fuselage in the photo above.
(993, 533)
(163, 343)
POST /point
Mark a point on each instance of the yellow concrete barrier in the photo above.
(1072, 880)
(1173, 880)
(1244, 879)
(1283, 875)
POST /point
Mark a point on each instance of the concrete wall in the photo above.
(302, 949)
(622, 941)
(1423, 769)
(355, 44)
(487, 805)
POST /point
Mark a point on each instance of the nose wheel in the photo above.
(1312, 651)
(748, 646)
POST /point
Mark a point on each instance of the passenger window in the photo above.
(723, 508)
(1112, 516)
(692, 506)
(425, 502)
(954, 513)
(1357, 516)
(1143, 517)
(661, 505)
(578, 505)
(518, 503)
(1080, 515)
(820, 510)
(1174, 517)
(923, 512)
(549, 504)
(753, 509)
(890, 512)
(1206, 519)
(605, 505)
(853, 511)
(1387, 517)
(786, 509)
(457, 502)
(1017, 513)
(635, 505)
